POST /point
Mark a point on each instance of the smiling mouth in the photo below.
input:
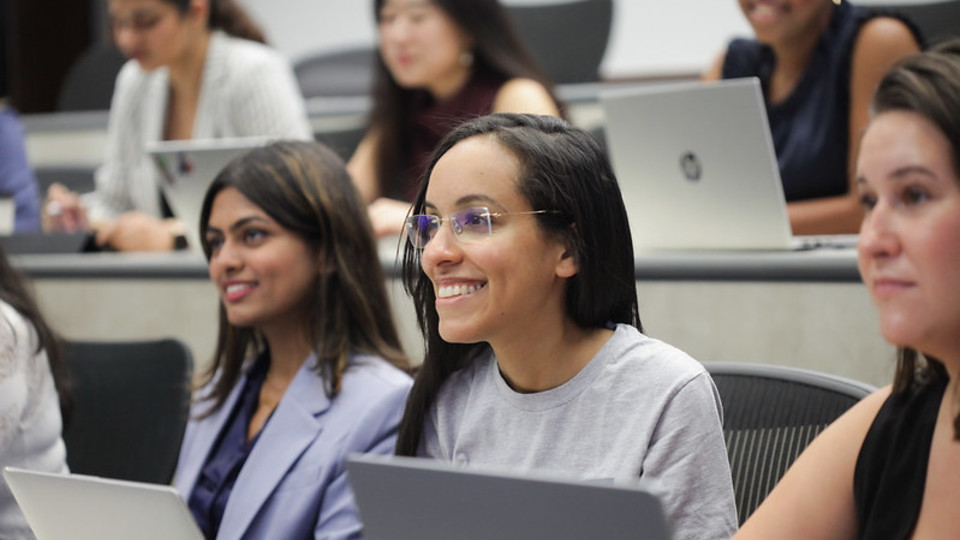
(236, 291)
(449, 291)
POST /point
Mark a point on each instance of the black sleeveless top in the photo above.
(811, 127)
(891, 470)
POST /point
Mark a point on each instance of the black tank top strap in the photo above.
(891, 470)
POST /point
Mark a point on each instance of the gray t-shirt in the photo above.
(639, 408)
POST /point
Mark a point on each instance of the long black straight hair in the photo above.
(564, 169)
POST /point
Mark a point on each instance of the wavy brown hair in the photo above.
(305, 188)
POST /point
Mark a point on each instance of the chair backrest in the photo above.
(937, 20)
(567, 38)
(88, 85)
(346, 72)
(76, 178)
(770, 414)
(130, 403)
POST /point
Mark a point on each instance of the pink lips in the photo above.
(885, 287)
(236, 291)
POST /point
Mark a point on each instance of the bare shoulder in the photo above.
(524, 96)
(815, 497)
(715, 71)
(884, 40)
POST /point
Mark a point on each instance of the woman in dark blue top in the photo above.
(818, 62)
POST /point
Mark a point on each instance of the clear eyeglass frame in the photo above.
(469, 225)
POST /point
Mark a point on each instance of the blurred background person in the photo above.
(819, 62)
(32, 389)
(196, 71)
(440, 63)
(16, 175)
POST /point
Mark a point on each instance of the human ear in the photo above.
(567, 264)
(199, 10)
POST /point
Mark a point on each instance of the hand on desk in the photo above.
(63, 211)
(136, 231)
(132, 231)
(387, 216)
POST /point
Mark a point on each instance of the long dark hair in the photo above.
(228, 16)
(498, 53)
(305, 188)
(563, 169)
(927, 84)
(14, 292)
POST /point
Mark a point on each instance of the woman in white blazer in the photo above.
(308, 367)
(196, 71)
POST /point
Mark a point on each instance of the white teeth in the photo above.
(448, 291)
(236, 288)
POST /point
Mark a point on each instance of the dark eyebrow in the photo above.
(239, 223)
(474, 198)
(903, 172)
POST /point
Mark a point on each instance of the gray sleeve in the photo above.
(687, 460)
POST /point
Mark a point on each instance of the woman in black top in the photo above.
(890, 467)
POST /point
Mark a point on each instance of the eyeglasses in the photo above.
(469, 225)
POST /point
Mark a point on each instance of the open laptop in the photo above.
(407, 498)
(698, 170)
(66, 506)
(186, 170)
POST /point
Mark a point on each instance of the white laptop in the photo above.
(70, 506)
(697, 168)
(407, 498)
(186, 170)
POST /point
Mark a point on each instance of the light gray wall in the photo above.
(649, 37)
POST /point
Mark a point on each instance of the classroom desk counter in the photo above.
(806, 309)
(814, 266)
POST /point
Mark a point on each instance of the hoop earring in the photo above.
(466, 58)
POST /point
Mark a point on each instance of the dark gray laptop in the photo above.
(406, 499)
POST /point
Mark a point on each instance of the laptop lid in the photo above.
(187, 169)
(65, 506)
(408, 498)
(696, 166)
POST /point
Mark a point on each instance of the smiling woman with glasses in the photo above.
(534, 355)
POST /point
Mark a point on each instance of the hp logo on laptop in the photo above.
(690, 166)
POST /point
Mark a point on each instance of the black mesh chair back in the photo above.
(770, 414)
(130, 403)
(567, 38)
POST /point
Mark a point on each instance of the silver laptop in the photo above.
(407, 498)
(697, 168)
(186, 170)
(68, 506)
